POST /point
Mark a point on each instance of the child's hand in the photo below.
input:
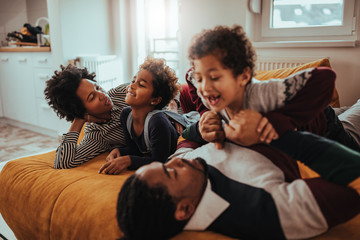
(116, 166)
(266, 130)
(211, 130)
(115, 153)
(179, 128)
(241, 129)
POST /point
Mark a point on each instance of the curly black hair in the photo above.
(229, 44)
(145, 212)
(165, 80)
(60, 91)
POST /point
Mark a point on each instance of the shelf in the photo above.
(25, 49)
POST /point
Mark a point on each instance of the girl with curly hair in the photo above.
(149, 134)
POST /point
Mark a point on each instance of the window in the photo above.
(307, 20)
(157, 28)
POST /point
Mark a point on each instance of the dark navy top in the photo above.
(163, 140)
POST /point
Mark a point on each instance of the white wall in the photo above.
(85, 27)
(81, 27)
(35, 10)
(196, 15)
(13, 15)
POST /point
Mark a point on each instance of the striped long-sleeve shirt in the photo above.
(98, 138)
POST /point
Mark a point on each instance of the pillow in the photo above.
(284, 72)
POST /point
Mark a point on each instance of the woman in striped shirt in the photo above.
(74, 95)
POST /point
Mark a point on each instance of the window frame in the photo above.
(339, 32)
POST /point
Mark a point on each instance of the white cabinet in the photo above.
(22, 77)
(17, 88)
(42, 71)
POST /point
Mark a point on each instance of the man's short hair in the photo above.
(145, 212)
(60, 91)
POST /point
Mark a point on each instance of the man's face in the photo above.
(183, 178)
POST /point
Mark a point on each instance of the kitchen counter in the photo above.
(25, 49)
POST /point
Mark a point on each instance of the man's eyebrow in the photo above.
(166, 171)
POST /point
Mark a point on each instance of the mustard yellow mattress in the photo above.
(39, 202)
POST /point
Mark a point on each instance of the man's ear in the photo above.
(156, 101)
(184, 209)
(245, 77)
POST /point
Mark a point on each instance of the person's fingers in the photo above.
(276, 136)
(218, 145)
(110, 168)
(103, 167)
(211, 128)
(263, 122)
(209, 115)
(264, 134)
(214, 136)
(272, 136)
(117, 171)
(179, 128)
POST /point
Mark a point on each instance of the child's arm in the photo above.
(118, 160)
(307, 104)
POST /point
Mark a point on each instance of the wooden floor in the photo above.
(17, 142)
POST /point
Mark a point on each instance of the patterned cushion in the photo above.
(284, 72)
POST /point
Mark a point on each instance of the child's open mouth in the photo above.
(131, 94)
(213, 100)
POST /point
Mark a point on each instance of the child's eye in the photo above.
(214, 78)
(198, 79)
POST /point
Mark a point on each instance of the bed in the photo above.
(40, 202)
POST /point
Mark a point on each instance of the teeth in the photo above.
(213, 100)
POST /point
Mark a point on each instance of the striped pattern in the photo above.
(98, 137)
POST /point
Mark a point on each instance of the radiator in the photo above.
(270, 63)
(106, 68)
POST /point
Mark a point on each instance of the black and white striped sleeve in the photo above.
(69, 154)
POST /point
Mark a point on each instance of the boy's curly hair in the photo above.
(230, 45)
(60, 91)
(165, 80)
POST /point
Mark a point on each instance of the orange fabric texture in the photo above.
(306, 172)
(284, 72)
